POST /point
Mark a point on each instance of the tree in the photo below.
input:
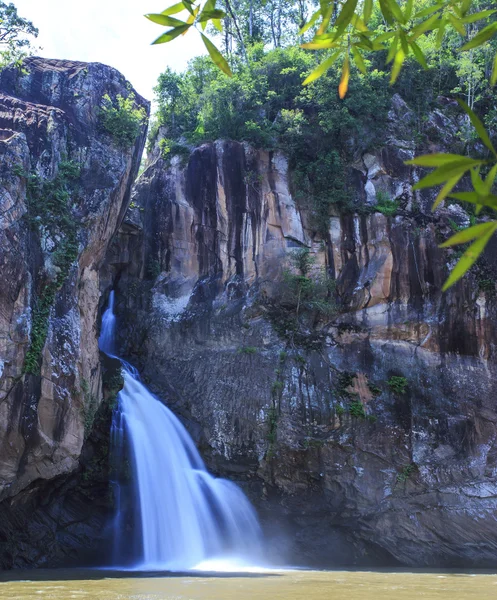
(15, 34)
(349, 32)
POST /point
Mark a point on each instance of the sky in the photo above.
(113, 32)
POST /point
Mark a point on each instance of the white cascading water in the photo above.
(188, 518)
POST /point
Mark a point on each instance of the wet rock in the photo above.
(50, 382)
(370, 439)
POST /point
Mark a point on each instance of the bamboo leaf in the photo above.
(444, 173)
(437, 160)
(477, 16)
(469, 234)
(368, 9)
(310, 22)
(344, 80)
(165, 20)
(489, 181)
(440, 33)
(481, 37)
(428, 11)
(171, 34)
(387, 13)
(469, 257)
(445, 191)
(175, 8)
(425, 26)
(408, 10)
(473, 198)
(478, 125)
(393, 49)
(457, 24)
(418, 53)
(322, 68)
(216, 56)
(397, 65)
(478, 184)
(211, 14)
(395, 10)
(493, 78)
(358, 60)
(345, 17)
(188, 5)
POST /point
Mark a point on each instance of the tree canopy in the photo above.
(15, 34)
(353, 42)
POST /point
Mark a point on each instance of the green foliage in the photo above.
(169, 148)
(277, 387)
(272, 434)
(122, 121)
(356, 409)
(386, 205)
(453, 40)
(247, 350)
(15, 34)
(302, 301)
(398, 385)
(49, 213)
(406, 472)
(89, 407)
(374, 389)
(153, 269)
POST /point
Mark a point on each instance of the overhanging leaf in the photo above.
(171, 34)
(481, 37)
(175, 8)
(397, 65)
(493, 78)
(344, 80)
(478, 125)
(165, 20)
(446, 172)
(469, 234)
(322, 68)
(445, 191)
(437, 160)
(216, 56)
(469, 257)
(310, 22)
(358, 60)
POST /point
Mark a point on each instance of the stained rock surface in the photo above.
(64, 189)
(366, 437)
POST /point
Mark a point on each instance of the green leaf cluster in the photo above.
(50, 212)
(122, 119)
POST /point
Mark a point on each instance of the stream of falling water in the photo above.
(187, 517)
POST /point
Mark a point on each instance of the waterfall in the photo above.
(186, 516)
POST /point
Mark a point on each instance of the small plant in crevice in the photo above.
(272, 422)
(247, 350)
(397, 385)
(153, 269)
(89, 407)
(385, 205)
(406, 472)
(356, 409)
(374, 389)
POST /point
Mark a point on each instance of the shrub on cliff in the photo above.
(123, 121)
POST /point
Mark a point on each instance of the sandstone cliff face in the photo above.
(369, 438)
(64, 188)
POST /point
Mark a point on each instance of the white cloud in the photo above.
(113, 32)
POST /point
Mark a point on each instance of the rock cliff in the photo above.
(64, 188)
(362, 426)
